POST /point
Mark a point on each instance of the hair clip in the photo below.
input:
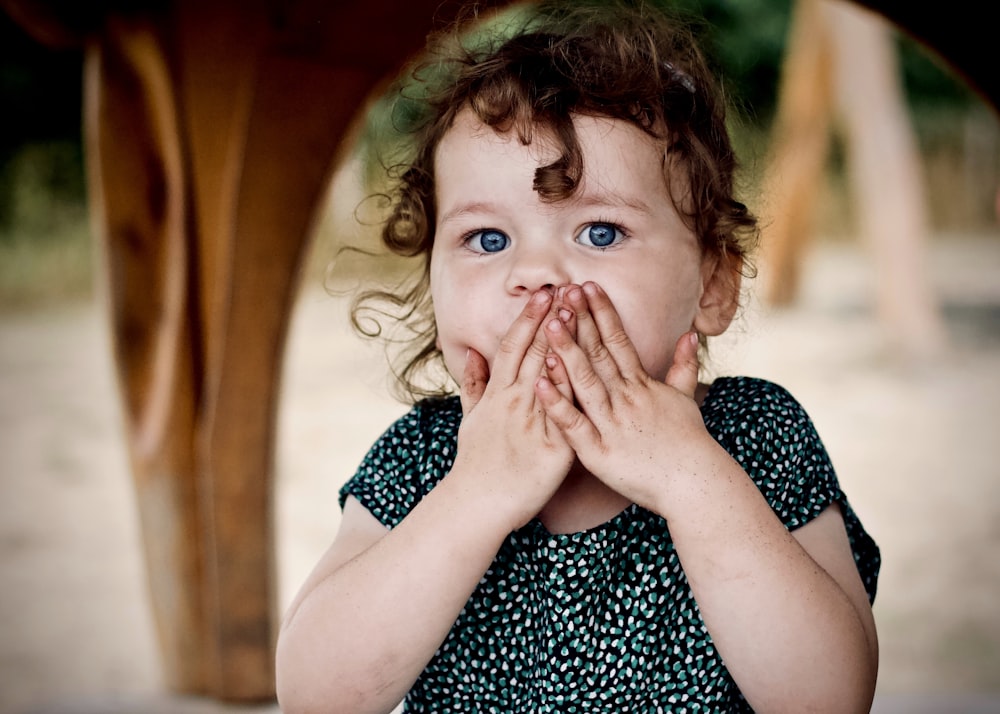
(681, 77)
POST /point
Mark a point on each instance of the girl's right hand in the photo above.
(508, 449)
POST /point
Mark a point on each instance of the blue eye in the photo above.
(488, 241)
(600, 235)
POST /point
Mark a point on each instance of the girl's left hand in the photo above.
(629, 430)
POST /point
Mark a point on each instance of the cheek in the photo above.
(656, 323)
(466, 316)
(655, 345)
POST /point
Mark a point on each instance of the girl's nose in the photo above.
(536, 267)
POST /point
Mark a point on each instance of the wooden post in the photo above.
(886, 177)
(211, 132)
(798, 154)
(840, 74)
(140, 211)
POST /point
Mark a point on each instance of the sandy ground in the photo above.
(916, 446)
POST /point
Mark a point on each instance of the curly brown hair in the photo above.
(623, 60)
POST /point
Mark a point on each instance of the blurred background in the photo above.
(914, 440)
(44, 237)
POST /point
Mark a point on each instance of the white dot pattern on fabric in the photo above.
(601, 620)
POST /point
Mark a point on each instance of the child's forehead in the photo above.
(617, 157)
(541, 138)
(537, 136)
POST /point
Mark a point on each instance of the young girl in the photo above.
(585, 528)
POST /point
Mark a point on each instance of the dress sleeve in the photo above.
(769, 433)
(406, 462)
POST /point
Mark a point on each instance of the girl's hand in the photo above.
(508, 449)
(629, 430)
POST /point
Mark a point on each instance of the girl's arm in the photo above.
(379, 603)
(787, 612)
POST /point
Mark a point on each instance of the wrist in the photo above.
(690, 483)
(486, 509)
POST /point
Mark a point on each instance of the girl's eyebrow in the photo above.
(588, 199)
(471, 207)
(610, 199)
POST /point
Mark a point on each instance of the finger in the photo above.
(475, 377)
(612, 332)
(575, 427)
(589, 388)
(588, 336)
(523, 349)
(683, 373)
(555, 370)
(564, 311)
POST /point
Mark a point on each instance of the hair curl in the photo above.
(620, 60)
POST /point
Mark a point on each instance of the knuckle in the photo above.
(599, 354)
(618, 338)
(589, 380)
(538, 350)
(576, 422)
(508, 345)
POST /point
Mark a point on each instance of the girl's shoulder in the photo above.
(427, 431)
(747, 392)
(438, 410)
(752, 417)
(745, 400)
(407, 460)
(426, 419)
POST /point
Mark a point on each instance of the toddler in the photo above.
(584, 527)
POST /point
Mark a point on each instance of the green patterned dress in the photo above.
(602, 620)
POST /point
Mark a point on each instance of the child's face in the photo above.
(496, 241)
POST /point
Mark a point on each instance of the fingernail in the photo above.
(565, 315)
(551, 362)
(540, 298)
(555, 325)
(693, 338)
(590, 288)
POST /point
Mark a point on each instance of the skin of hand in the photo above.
(506, 442)
(628, 429)
(754, 580)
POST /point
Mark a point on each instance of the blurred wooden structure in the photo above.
(841, 76)
(212, 127)
(211, 130)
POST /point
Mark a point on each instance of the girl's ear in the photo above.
(721, 277)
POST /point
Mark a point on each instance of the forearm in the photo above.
(789, 633)
(360, 638)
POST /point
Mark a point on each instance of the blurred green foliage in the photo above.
(40, 127)
(44, 232)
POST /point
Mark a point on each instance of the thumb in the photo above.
(474, 378)
(683, 373)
